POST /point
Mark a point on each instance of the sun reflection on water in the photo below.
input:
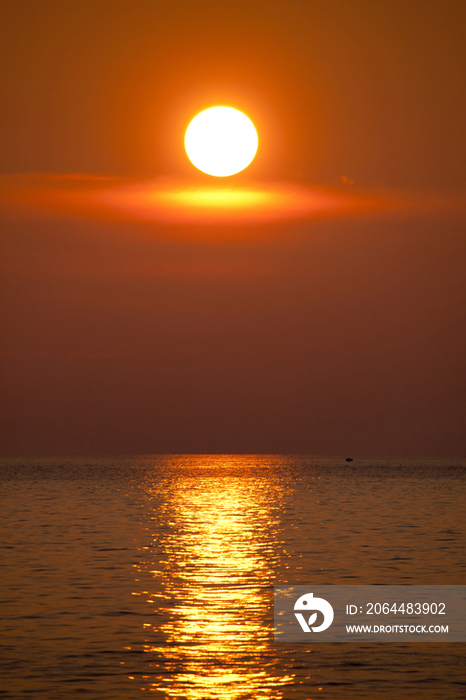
(212, 577)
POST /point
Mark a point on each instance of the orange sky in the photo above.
(331, 321)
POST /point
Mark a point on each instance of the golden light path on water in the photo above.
(212, 583)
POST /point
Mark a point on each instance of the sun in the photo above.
(221, 141)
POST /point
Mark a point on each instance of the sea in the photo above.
(152, 575)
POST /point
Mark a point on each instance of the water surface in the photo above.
(153, 574)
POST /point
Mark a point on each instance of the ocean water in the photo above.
(152, 575)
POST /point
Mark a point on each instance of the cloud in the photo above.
(190, 211)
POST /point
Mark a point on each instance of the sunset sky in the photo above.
(336, 327)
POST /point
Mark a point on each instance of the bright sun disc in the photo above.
(221, 141)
